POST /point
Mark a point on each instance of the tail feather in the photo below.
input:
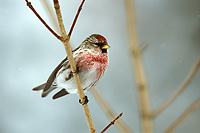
(61, 93)
(45, 93)
(41, 88)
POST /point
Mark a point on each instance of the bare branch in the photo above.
(109, 111)
(179, 90)
(144, 100)
(42, 20)
(75, 19)
(193, 107)
(65, 39)
(73, 67)
(111, 123)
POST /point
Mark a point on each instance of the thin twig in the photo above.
(73, 67)
(193, 107)
(76, 17)
(179, 90)
(144, 100)
(51, 15)
(109, 111)
(111, 123)
(42, 20)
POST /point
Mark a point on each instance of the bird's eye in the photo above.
(98, 44)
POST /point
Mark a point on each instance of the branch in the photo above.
(66, 38)
(179, 90)
(75, 19)
(42, 20)
(193, 107)
(109, 111)
(144, 100)
(111, 123)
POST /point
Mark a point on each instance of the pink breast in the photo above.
(88, 61)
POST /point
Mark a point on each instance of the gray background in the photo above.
(29, 53)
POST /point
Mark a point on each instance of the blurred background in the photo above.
(29, 53)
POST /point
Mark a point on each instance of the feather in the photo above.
(53, 76)
(39, 88)
(45, 93)
(61, 93)
(54, 73)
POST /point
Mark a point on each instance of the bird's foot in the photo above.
(85, 100)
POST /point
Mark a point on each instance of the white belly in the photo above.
(88, 78)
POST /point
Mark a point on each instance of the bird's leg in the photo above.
(85, 100)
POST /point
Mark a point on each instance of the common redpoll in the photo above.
(91, 59)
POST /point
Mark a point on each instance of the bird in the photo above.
(91, 60)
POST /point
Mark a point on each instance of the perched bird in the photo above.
(91, 60)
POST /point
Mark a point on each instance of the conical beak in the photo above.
(105, 46)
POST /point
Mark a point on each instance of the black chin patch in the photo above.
(104, 50)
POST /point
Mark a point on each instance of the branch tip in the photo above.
(112, 123)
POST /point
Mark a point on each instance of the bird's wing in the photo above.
(53, 75)
(48, 87)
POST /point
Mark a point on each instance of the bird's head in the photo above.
(97, 41)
